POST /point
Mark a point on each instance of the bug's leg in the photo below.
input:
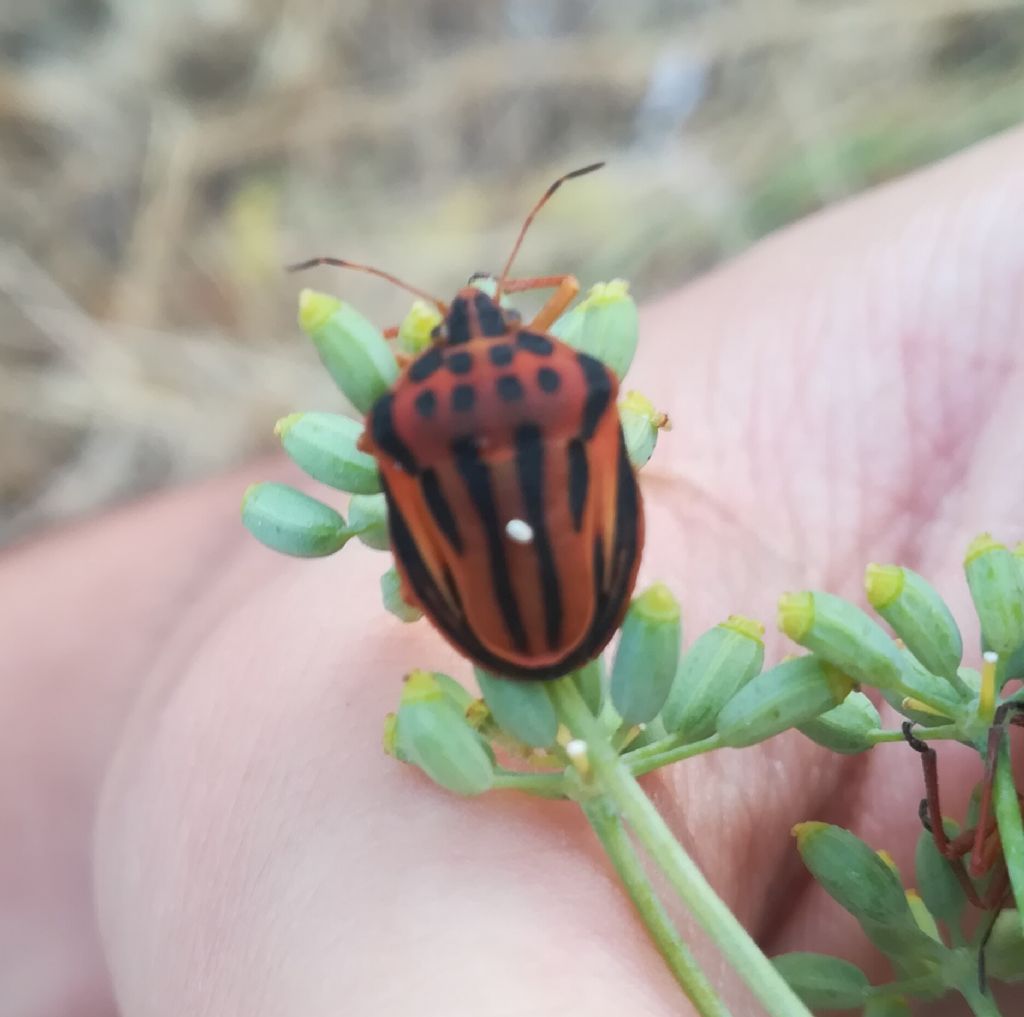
(930, 812)
(930, 806)
(566, 288)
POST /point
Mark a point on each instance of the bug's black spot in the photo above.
(509, 388)
(534, 342)
(599, 393)
(463, 398)
(459, 363)
(476, 476)
(426, 364)
(426, 403)
(530, 468)
(386, 437)
(436, 501)
(489, 318)
(548, 379)
(501, 354)
(579, 481)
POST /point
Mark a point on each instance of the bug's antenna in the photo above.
(339, 263)
(529, 219)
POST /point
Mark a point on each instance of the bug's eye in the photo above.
(439, 333)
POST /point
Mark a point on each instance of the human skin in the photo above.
(195, 812)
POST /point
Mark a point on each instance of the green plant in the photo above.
(588, 736)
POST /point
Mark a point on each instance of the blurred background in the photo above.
(161, 161)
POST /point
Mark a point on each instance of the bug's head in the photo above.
(472, 314)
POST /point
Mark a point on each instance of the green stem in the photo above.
(981, 1004)
(665, 751)
(613, 777)
(943, 732)
(544, 785)
(606, 823)
(1008, 819)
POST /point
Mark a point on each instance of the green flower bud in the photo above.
(887, 1006)
(416, 333)
(324, 445)
(823, 982)
(647, 655)
(845, 636)
(1004, 954)
(922, 916)
(590, 681)
(791, 693)
(350, 346)
(641, 423)
(921, 687)
(996, 581)
(605, 325)
(846, 728)
(391, 594)
(291, 522)
(718, 664)
(918, 615)
(853, 875)
(368, 520)
(460, 696)
(520, 708)
(434, 735)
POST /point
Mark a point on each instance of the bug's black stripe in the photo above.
(385, 437)
(488, 316)
(430, 595)
(433, 495)
(579, 481)
(627, 516)
(476, 475)
(530, 467)
(615, 575)
(599, 393)
(459, 327)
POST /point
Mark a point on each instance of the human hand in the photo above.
(849, 391)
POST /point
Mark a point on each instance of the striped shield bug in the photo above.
(514, 512)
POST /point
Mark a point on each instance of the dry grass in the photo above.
(165, 160)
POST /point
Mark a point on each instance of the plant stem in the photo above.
(613, 777)
(607, 824)
(544, 785)
(666, 750)
(981, 1004)
(932, 734)
(1008, 819)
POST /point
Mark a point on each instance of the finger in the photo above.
(718, 557)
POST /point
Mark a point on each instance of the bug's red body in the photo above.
(501, 424)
